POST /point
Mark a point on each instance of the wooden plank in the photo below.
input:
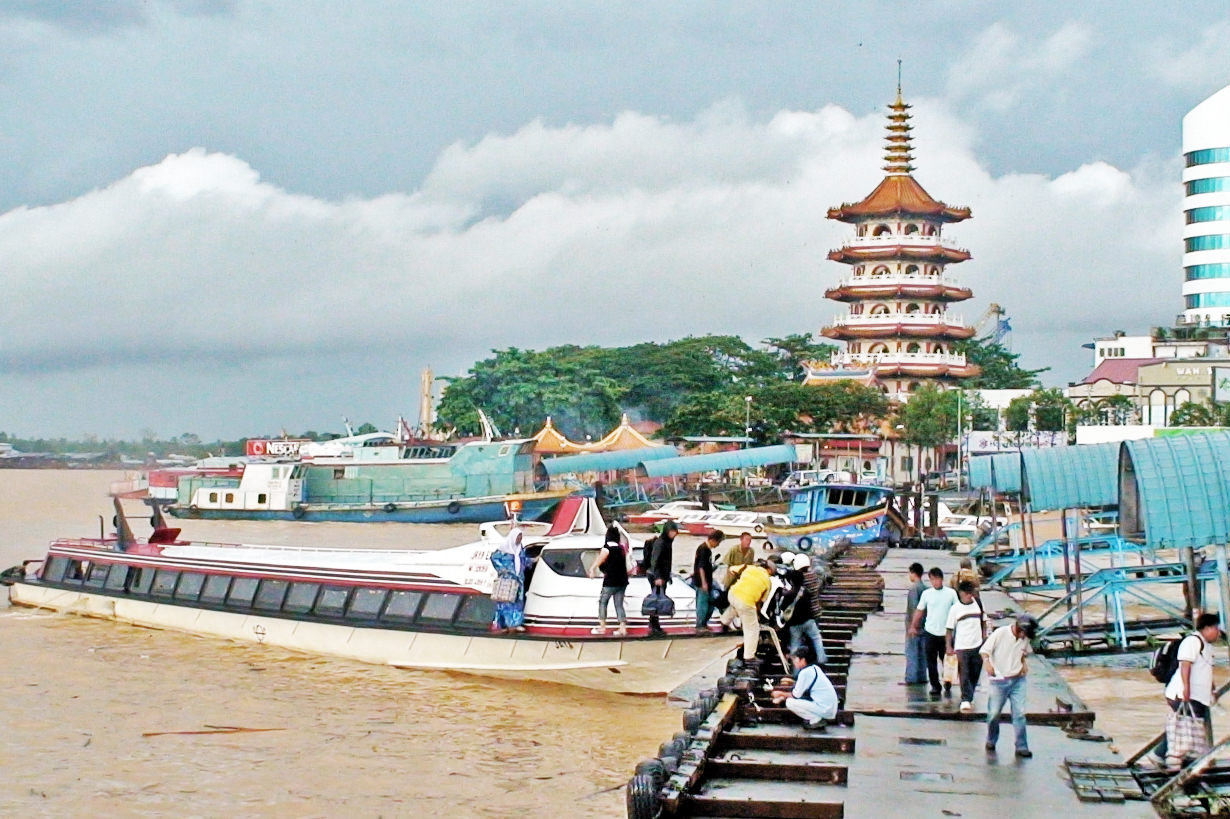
(819, 743)
(824, 772)
(764, 809)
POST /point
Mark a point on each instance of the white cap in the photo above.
(802, 562)
(788, 559)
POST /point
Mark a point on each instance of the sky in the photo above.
(236, 217)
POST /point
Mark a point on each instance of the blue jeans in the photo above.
(915, 660)
(704, 607)
(605, 596)
(811, 631)
(1004, 691)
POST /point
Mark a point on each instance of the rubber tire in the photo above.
(671, 763)
(654, 769)
(390, 508)
(757, 528)
(642, 796)
(682, 737)
(724, 684)
(298, 512)
(453, 507)
(672, 747)
(804, 544)
(692, 718)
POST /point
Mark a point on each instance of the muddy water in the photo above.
(96, 717)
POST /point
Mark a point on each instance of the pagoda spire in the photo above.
(898, 152)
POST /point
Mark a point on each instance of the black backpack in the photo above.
(1165, 661)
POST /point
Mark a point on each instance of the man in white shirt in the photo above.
(1192, 682)
(813, 698)
(934, 604)
(965, 633)
(1003, 656)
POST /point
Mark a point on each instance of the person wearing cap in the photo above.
(1192, 682)
(750, 588)
(801, 623)
(1003, 658)
(661, 559)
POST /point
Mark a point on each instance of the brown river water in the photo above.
(96, 716)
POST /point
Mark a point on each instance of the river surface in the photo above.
(94, 714)
(98, 717)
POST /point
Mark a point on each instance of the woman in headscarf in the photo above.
(508, 593)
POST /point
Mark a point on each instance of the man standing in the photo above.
(750, 588)
(813, 698)
(965, 633)
(741, 554)
(661, 559)
(934, 603)
(915, 645)
(1003, 656)
(702, 578)
(801, 623)
(1192, 682)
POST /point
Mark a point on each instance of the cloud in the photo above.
(1000, 69)
(1198, 66)
(637, 228)
(103, 16)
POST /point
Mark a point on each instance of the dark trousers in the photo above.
(969, 667)
(937, 647)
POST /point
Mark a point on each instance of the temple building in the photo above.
(897, 328)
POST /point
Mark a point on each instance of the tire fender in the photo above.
(453, 507)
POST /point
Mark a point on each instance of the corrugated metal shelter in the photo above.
(720, 461)
(980, 475)
(1071, 476)
(1174, 492)
(604, 461)
(1001, 472)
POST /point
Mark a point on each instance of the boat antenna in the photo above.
(124, 538)
(346, 424)
(490, 430)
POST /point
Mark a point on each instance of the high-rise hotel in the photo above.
(1206, 211)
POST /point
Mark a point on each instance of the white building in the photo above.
(1206, 211)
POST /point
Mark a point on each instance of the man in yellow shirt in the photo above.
(749, 587)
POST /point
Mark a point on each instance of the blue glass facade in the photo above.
(1214, 213)
(1212, 184)
(1206, 271)
(1207, 300)
(1207, 156)
(1215, 241)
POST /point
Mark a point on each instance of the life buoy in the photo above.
(193, 508)
(390, 508)
(758, 528)
(298, 512)
(805, 544)
(453, 507)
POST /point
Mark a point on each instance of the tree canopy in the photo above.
(1000, 370)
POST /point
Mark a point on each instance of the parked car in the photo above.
(809, 477)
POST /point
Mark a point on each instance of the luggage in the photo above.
(505, 590)
(1186, 736)
(656, 602)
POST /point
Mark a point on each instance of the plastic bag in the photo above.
(1185, 736)
(951, 674)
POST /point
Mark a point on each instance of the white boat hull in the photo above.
(633, 666)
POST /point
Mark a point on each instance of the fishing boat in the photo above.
(374, 477)
(824, 513)
(409, 609)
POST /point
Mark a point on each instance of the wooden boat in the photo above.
(410, 609)
(824, 513)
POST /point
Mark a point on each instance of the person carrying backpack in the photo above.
(1191, 681)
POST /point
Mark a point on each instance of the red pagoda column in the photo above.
(897, 328)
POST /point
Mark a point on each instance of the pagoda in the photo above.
(897, 329)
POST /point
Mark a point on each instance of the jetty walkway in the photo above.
(895, 750)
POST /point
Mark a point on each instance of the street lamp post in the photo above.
(747, 420)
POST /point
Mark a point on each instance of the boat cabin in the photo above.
(809, 504)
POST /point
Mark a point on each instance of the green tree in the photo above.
(928, 419)
(1000, 367)
(1208, 414)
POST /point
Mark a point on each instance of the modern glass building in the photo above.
(1206, 211)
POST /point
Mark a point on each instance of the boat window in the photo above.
(366, 603)
(216, 586)
(230, 497)
(97, 574)
(476, 610)
(164, 583)
(243, 589)
(402, 607)
(300, 598)
(117, 577)
(570, 562)
(270, 595)
(53, 570)
(213, 497)
(339, 473)
(332, 601)
(260, 498)
(440, 608)
(190, 584)
(139, 581)
(503, 451)
(75, 572)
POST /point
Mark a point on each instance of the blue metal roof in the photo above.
(1006, 467)
(980, 475)
(603, 461)
(1071, 476)
(1175, 491)
(721, 461)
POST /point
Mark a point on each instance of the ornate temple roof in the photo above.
(552, 442)
(919, 253)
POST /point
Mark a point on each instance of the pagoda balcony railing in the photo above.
(854, 359)
(899, 278)
(901, 239)
(863, 319)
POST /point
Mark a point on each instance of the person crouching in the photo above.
(813, 698)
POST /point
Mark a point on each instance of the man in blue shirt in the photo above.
(934, 603)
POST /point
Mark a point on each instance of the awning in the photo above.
(721, 461)
(1071, 476)
(1000, 472)
(1174, 492)
(605, 461)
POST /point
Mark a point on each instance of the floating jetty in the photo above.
(893, 748)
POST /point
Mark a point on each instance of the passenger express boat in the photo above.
(824, 513)
(410, 609)
(733, 523)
